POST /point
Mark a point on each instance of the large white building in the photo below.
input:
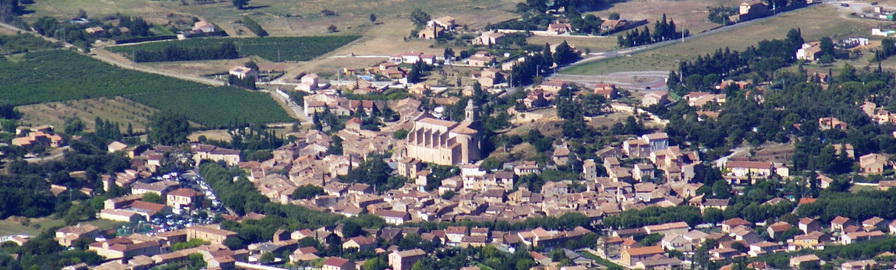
(446, 142)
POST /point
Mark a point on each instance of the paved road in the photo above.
(116, 60)
(294, 110)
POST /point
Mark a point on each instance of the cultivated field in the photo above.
(271, 48)
(815, 22)
(216, 106)
(117, 109)
(61, 75)
(286, 17)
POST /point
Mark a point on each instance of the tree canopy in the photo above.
(168, 128)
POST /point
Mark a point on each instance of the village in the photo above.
(770, 156)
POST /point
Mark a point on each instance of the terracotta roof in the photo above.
(748, 164)
(640, 251)
(840, 220)
(411, 252)
(148, 206)
(734, 222)
(437, 122)
(185, 192)
(335, 261)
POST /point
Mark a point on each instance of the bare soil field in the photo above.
(776, 152)
(690, 14)
(215, 134)
(6, 32)
(200, 68)
(375, 45)
(118, 110)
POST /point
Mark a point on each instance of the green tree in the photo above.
(613, 16)
(73, 125)
(426, 263)
(372, 17)
(307, 192)
(721, 189)
(151, 197)
(239, 4)
(400, 134)
(267, 257)
(524, 264)
(826, 45)
(351, 229)
(419, 18)
(309, 242)
(713, 215)
(377, 263)
(168, 128)
(189, 244)
(332, 29)
(335, 146)
(564, 54)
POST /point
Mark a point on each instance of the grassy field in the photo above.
(62, 75)
(10, 227)
(118, 109)
(815, 22)
(271, 48)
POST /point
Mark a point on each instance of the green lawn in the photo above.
(64, 75)
(271, 48)
(37, 225)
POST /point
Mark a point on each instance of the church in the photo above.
(446, 142)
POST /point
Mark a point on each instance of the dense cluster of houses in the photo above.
(737, 237)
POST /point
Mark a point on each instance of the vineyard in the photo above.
(63, 75)
(228, 104)
(276, 49)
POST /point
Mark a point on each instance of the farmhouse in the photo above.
(204, 27)
(43, 136)
(698, 99)
(242, 72)
(874, 164)
(809, 52)
(606, 90)
(559, 28)
(446, 22)
(749, 11)
(430, 32)
(826, 123)
(614, 25)
(488, 39)
(481, 59)
(654, 98)
(67, 235)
